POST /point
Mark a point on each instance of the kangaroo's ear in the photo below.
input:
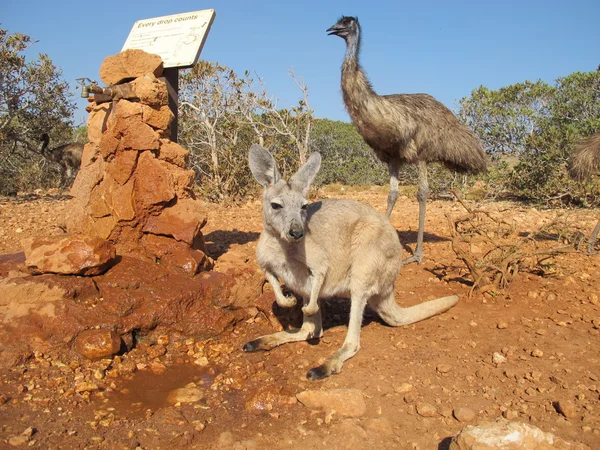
(263, 166)
(306, 174)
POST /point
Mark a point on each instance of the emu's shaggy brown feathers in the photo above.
(585, 159)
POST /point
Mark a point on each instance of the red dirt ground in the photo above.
(546, 327)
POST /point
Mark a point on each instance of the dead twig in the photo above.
(479, 240)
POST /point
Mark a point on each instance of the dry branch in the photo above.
(506, 253)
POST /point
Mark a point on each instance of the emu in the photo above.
(583, 163)
(404, 128)
(67, 156)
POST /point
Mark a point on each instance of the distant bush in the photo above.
(33, 100)
(221, 114)
(347, 159)
(535, 125)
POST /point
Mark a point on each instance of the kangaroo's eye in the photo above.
(276, 206)
(303, 207)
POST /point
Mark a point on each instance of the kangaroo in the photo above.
(324, 249)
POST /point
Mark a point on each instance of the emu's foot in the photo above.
(310, 309)
(416, 257)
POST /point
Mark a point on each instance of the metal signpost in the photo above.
(178, 39)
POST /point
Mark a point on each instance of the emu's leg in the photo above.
(593, 238)
(422, 194)
(394, 167)
(351, 344)
(312, 328)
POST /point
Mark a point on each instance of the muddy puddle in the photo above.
(147, 390)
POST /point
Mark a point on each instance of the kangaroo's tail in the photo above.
(395, 315)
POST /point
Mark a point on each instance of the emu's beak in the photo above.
(333, 31)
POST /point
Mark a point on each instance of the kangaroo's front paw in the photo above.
(310, 309)
(286, 301)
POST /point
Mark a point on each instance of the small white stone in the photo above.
(498, 358)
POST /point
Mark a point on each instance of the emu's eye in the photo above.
(303, 207)
(276, 206)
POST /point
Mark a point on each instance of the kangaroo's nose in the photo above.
(296, 234)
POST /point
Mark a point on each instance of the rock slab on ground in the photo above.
(69, 255)
(345, 402)
(507, 435)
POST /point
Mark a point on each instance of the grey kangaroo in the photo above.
(324, 249)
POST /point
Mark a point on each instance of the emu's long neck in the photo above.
(356, 88)
(352, 49)
(45, 143)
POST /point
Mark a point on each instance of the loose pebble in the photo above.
(426, 410)
(464, 414)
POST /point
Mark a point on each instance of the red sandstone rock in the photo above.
(130, 64)
(79, 219)
(173, 153)
(98, 344)
(88, 176)
(158, 117)
(39, 311)
(247, 290)
(89, 155)
(152, 185)
(71, 255)
(99, 206)
(125, 109)
(110, 198)
(134, 134)
(165, 299)
(108, 146)
(176, 254)
(103, 227)
(47, 312)
(122, 166)
(20, 297)
(151, 91)
(183, 221)
(183, 183)
(97, 122)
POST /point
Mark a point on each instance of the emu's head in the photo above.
(346, 27)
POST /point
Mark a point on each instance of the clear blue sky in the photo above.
(443, 48)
